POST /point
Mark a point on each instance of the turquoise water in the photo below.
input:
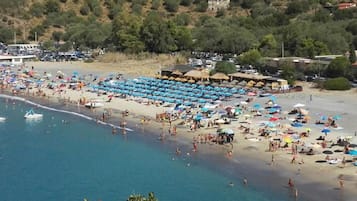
(52, 160)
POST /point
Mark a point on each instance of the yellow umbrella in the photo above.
(287, 139)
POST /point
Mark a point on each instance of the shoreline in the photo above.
(258, 172)
(311, 175)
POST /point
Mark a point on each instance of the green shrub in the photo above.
(202, 6)
(171, 5)
(155, 4)
(37, 9)
(339, 83)
(84, 10)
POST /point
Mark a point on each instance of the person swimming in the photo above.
(245, 181)
(231, 184)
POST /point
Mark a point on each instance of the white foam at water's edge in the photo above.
(63, 111)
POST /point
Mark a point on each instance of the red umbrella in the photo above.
(273, 119)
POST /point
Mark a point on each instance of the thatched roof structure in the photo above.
(249, 76)
(220, 76)
(197, 74)
(176, 72)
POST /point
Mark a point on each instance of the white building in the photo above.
(15, 60)
(23, 49)
(214, 5)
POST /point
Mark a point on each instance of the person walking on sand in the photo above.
(341, 182)
(194, 146)
(272, 159)
(293, 160)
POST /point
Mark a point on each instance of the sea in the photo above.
(66, 156)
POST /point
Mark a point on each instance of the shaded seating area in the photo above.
(168, 91)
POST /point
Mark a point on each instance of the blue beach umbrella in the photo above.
(325, 130)
(256, 106)
(273, 98)
(204, 109)
(336, 117)
(296, 124)
(323, 117)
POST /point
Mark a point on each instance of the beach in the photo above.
(308, 176)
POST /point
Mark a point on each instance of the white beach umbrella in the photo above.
(299, 105)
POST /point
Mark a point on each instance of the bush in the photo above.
(171, 5)
(155, 4)
(84, 10)
(202, 6)
(339, 83)
(37, 9)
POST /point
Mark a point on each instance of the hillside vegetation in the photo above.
(304, 27)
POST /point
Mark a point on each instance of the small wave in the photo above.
(62, 111)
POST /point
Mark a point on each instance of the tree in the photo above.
(126, 32)
(352, 56)
(155, 4)
(338, 67)
(57, 35)
(251, 57)
(52, 6)
(6, 34)
(171, 5)
(183, 38)
(310, 48)
(289, 73)
(268, 45)
(352, 27)
(186, 2)
(156, 35)
(37, 9)
(297, 6)
(202, 6)
(225, 67)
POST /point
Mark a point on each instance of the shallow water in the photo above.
(55, 160)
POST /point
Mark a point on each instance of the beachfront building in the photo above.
(15, 60)
(23, 49)
(215, 5)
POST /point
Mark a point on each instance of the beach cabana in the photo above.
(219, 76)
(177, 73)
(197, 74)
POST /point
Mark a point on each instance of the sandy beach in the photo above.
(308, 175)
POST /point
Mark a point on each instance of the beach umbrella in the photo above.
(336, 117)
(299, 105)
(352, 152)
(272, 98)
(273, 119)
(323, 117)
(325, 130)
(243, 103)
(256, 106)
(204, 109)
(296, 124)
(287, 139)
(270, 125)
(227, 131)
